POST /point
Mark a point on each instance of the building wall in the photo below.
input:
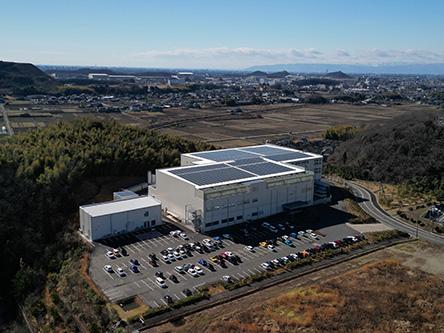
(176, 195)
(314, 165)
(112, 224)
(254, 200)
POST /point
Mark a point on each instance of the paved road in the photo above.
(370, 205)
(6, 120)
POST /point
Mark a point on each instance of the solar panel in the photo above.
(266, 168)
(186, 170)
(266, 150)
(224, 155)
(288, 156)
(247, 161)
(216, 176)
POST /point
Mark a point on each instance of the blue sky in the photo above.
(221, 34)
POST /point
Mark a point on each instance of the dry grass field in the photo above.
(395, 290)
(255, 124)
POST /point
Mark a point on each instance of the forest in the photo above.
(39, 173)
(408, 150)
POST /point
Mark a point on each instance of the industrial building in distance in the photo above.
(219, 188)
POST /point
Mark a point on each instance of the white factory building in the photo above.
(111, 218)
(215, 189)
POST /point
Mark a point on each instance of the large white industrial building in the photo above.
(215, 189)
(111, 218)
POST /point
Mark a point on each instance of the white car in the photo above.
(308, 231)
(183, 235)
(265, 266)
(166, 259)
(108, 268)
(314, 236)
(177, 255)
(285, 237)
(285, 259)
(182, 253)
(333, 244)
(116, 252)
(179, 269)
(193, 272)
(120, 271)
(270, 247)
(206, 241)
(170, 249)
(198, 270)
(226, 278)
(171, 257)
(175, 233)
(293, 255)
(110, 254)
(301, 233)
(276, 262)
(161, 282)
(249, 248)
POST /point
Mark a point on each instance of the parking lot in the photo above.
(143, 243)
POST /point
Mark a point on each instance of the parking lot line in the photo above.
(146, 284)
(164, 301)
(108, 274)
(176, 296)
(155, 303)
(243, 277)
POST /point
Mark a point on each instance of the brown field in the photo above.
(259, 123)
(255, 124)
(394, 290)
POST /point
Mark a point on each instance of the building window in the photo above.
(254, 214)
(146, 214)
(210, 224)
(254, 200)
(231, 219)
(224, 220)
(153, 222)
(240, 217)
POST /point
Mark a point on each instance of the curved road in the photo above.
(371, 206)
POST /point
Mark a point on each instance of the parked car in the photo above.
(266, 266)
(159, 274)
(134, 268)
(199, 270)
(134, 261)
(120, 272)
(168, 299)
(110, 254)
(173, 278)
(161, 282)
(272, 229)
(227, 278)
(203, 262)
(179, 269)
(280, 226)
(123, 251)
(183, 236)
(193, 272)
(249, 248)
(108, 268)
(187, 292)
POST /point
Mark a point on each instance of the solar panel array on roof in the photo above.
(266, 150)
(181, 171)
(247, 161)
(216, 176)
(224, 155)
(288, 156)
(265, 168)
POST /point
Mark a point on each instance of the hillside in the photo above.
(23, 77)
(337, 75)
(407, 149)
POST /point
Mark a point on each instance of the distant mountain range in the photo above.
(412, 69)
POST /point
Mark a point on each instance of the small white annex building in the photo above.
(111, 218)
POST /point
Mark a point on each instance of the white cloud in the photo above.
(224, 57)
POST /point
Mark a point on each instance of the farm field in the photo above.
(255, 124)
